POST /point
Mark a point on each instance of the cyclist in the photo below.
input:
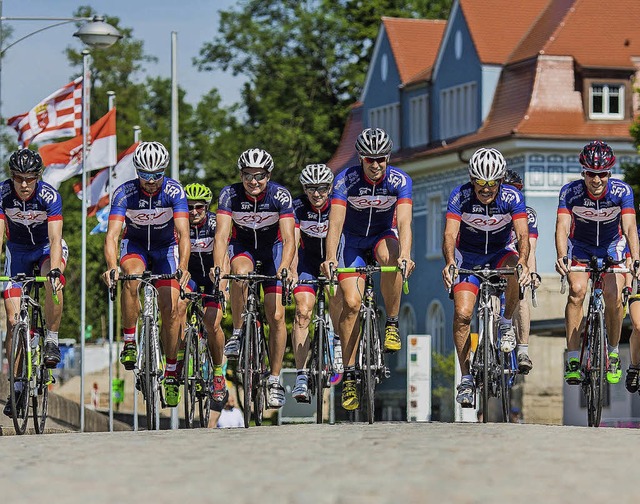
(312, 221)
(522, 314)
(595, 216)
(202, 228)
(258, 215)
(481, 216)
(31, 216)
(363, 203)
(154, 209)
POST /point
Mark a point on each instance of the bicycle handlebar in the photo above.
(23, 278)
(368, 270)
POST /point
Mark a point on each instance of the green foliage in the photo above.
(443, 374)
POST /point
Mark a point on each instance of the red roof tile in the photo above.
(414, 42)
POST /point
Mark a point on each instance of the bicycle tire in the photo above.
(40, 398)
(596, 372)
(151, 403)
(504, 369)
(486, 353)
(189, 373)
(369, 374)
(259, 393)
(206, 377)
(19, 344)
(247, 373)
(320, 368)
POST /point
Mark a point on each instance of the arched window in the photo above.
(407, 325)
(436, 326)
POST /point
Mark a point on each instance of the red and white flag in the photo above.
(98, 195)
(63, 160)
(58, 115)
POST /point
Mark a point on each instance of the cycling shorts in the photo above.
(160, 261)
(269, 257)
(23, 258)
(198, 283)
(582, 253)
(308, 269)
(468, 260)
(353, 250)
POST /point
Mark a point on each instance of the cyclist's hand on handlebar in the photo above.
(183, 277)
(525, 276)
(109, 275)
(535, 279)
(56, 278)
(446, 277)
(562, 265)
(328, 267)
(407, 264)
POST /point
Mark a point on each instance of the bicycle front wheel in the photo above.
(595, 386)
(40, 397)
(320, 360)
(247, 372)
(260, 367)
(150, 378)
(487, 348)
(369, 374)
(190, 360)
(19, 375)
(505, 369)
(206, 379)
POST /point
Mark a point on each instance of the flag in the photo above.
(58, 115)
(98, 187)
(103, 221)
(63, 160)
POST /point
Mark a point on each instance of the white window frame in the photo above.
(419, 120)
(607, 91)
(458, 110)
(387, 117)
(436, 326)
(434, 226)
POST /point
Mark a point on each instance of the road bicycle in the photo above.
(493, 370)
(370, 366)
(26, 359)
(149, 368)
(254, 353)
(594, 358)
(320, 363)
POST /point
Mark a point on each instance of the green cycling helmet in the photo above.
(198, 192)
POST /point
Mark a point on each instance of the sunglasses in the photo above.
(21, 180)
(197, 206)
(150, 176)
(487, 183)
(258, 177)
(592, 174)
(323, 189)
(372, 160)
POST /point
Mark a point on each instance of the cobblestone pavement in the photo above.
(346, 463)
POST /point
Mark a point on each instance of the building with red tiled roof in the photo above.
(536, 80)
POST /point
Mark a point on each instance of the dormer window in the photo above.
(606, 101)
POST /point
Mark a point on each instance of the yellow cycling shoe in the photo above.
(350, 400)
(392, 341)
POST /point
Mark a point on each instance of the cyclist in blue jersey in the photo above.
(522, 315)
(312, 221)
(31, 217)
(596, 217)
(258, 215)
(202, 227)
(481, 216)
(363, 203)
(154, 210)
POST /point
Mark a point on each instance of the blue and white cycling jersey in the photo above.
(149, 217)
(532, 221)
(201, 258)
(485, 229)
(313, 224)
(370, 206)
(595, 222)
(256, 221)
(26, 221)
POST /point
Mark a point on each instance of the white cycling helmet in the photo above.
(316, 174)
(487, 164)
(150, 157)
(255, 158)
(374, 142)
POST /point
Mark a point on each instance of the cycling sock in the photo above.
(217, 370)
(505, 321)
(51, 336)
(349, 372)
(612, 349)
(302, 372)
(274, 379)
(523, 349)
(237, 333)
(129, 334)
(392, 321)
(171, 367)
(573, 354)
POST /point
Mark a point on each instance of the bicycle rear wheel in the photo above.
(595, 386)
(505, 369)
(189, 373)
(206, 379)
(369, 374)
(247, 372)
(19, 375)
(320, 367)
(259, 392)
(40, 398)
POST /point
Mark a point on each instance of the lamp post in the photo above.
(96, 34)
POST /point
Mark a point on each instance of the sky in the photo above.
(37, 66)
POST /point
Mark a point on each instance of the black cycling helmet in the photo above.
(512, 178)
(597, 156)
(25, 161)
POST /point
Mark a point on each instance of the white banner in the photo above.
(418, 378)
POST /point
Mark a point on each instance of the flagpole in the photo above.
(86, 104)
(112, 104)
